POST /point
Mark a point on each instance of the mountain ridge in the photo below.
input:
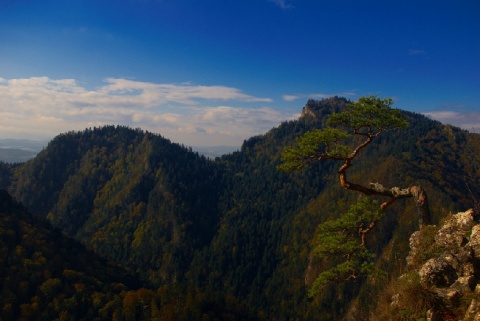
(233, 226)
(22, 150)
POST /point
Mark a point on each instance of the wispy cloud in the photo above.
(282, 4)
(466, 120)
(416, 52)
(186, 113)
(290, 97)
(293, 97)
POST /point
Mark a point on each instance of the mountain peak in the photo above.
(308, 112)
(318, 109)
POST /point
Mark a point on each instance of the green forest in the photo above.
(115, 223)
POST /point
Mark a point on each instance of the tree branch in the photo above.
(364, 231)
(395, 193)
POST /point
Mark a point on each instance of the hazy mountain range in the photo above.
(21, 150)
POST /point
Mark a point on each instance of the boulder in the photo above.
(438, 272)
(454, 232)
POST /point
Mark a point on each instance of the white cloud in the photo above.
(152, 93)
(290, 97)
(466, 120)
(40, 107)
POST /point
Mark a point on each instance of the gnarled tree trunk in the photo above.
(395, 193)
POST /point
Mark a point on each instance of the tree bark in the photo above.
(395, 193)
(421, 200)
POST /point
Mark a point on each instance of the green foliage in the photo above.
(369, 115)
(45, 274)
(132, 196)
(338, 242)
(312, 145)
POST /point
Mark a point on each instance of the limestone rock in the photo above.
(308, 112)
(415, 240)
(451, 297)
(453, 273)
(461, 260)
(474, 242)
(453, 232)
(473, 311)
(438, 272)
(465, 284)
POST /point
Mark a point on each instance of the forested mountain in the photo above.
(218, 236)
(45, 275)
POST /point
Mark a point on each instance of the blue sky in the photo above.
(216, 72)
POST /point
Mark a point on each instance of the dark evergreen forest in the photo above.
(114, 223)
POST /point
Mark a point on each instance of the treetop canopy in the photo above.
(368, 117)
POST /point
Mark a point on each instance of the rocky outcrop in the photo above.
(454, 273)
(308, 112)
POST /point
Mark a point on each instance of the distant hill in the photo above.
(215, 151)
(12, 155)
(19, 150)
(234, 232)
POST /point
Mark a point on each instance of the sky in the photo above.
(216, 72)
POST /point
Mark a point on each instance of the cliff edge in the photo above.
(446, 261)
